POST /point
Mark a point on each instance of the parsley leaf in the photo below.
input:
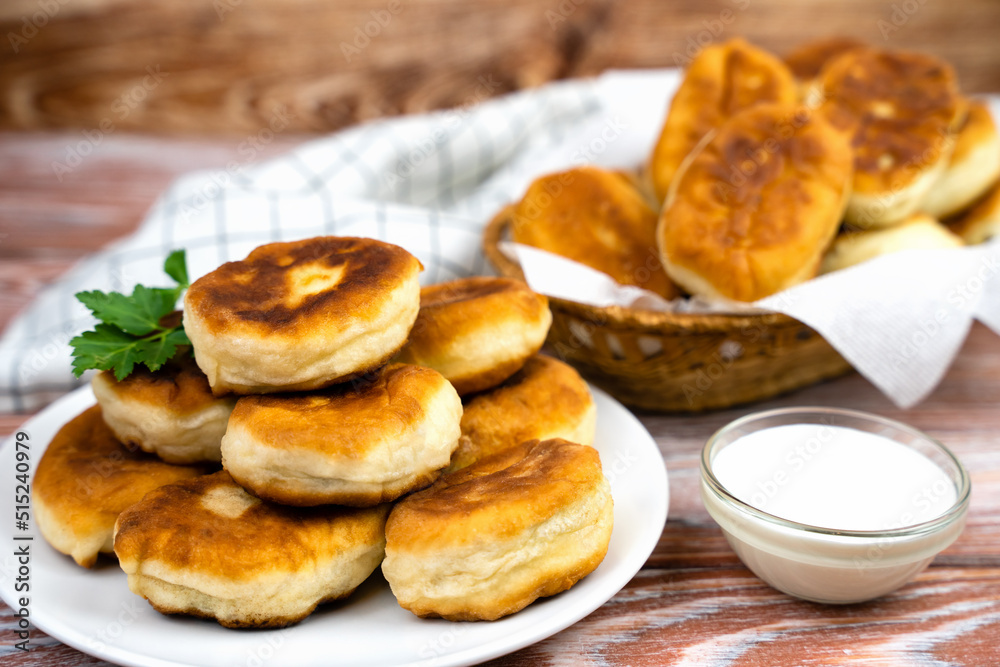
(176, 268)
(105, 348)
(134, 329)
(159, 349)
(138, 314)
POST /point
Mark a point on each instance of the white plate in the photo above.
(95, 612)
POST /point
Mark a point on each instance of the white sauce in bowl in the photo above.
(834, 477)
(832, 505)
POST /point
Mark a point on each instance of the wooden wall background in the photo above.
(226, 65)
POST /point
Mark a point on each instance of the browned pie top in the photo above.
(211, 526)
(347, 419)
(899, 109)
(722, 80)
(760, 203)
(179, 385)
(87, 477)
(976, 129)
(597, 218)
(496, 498)
(458, 308)
(439, 296)
(807, 60)
(546, 395)
(299, 285)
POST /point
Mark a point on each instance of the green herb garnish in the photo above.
(134, 329)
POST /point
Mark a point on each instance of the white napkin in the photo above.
(429, 183)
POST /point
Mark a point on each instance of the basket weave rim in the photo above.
(618, 317)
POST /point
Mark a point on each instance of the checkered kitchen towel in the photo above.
(429, 183)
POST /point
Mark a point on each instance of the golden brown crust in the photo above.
(206, 538)
(723, 80)
(982, 221)
(545, 399)
(171, 412)
(477, 331)
(900, 110)
(179, 384)
(757, 207)
(483, 381)
(178, 525)
(359, 443)
(86, 478)
(271, 622)
(807, 60)
(294, 286)
(597, 218)
(500, 495)
(918, 232)
(346, 418)
(974, 165)
(488, 540)
(977, 128)
(302, 315)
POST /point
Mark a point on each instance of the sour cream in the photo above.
(834, 477)
(830, 505)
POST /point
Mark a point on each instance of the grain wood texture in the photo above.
(693, 603)
(228, 66)
(49, 220)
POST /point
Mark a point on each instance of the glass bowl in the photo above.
(829, 564)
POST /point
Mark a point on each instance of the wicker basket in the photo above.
(679, 362)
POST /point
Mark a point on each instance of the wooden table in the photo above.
(692, 603)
